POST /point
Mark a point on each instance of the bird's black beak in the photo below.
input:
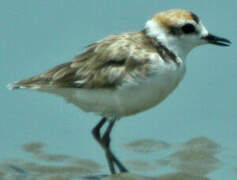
(216, 40)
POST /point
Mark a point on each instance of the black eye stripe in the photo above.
(188, 28)
(184, 29)
(174, 30)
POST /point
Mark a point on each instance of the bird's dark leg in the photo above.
(96, 129)
(98, 138)
(104, 141)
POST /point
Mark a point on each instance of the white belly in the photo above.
(127, 100)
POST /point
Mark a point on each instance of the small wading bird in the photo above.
(126, 73)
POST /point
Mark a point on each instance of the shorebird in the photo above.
(127, 73)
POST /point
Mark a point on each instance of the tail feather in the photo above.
(15, 85)
(31, 83)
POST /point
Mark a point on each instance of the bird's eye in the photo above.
(188, 28)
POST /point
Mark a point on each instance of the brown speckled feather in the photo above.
(103, 65)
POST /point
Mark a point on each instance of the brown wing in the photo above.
(104, 65)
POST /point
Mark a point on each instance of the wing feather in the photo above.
(105, 64)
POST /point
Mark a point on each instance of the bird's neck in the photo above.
(175, 46)
(161, 49)
(179, 49)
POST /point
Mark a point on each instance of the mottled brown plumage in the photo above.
(104, 64)
(170, 17)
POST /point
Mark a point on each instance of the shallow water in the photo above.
(190, 136)
(198, 158)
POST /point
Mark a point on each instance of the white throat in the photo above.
(179, 48)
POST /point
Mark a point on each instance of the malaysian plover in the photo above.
(126, 73)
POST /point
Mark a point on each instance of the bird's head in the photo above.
(181, 31)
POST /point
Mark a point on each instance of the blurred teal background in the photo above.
(37, 35)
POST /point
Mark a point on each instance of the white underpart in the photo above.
(135, 95)
(180, 45)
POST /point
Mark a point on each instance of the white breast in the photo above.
(130, 98)
(150, 91)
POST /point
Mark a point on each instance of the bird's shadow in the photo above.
(193, 159)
